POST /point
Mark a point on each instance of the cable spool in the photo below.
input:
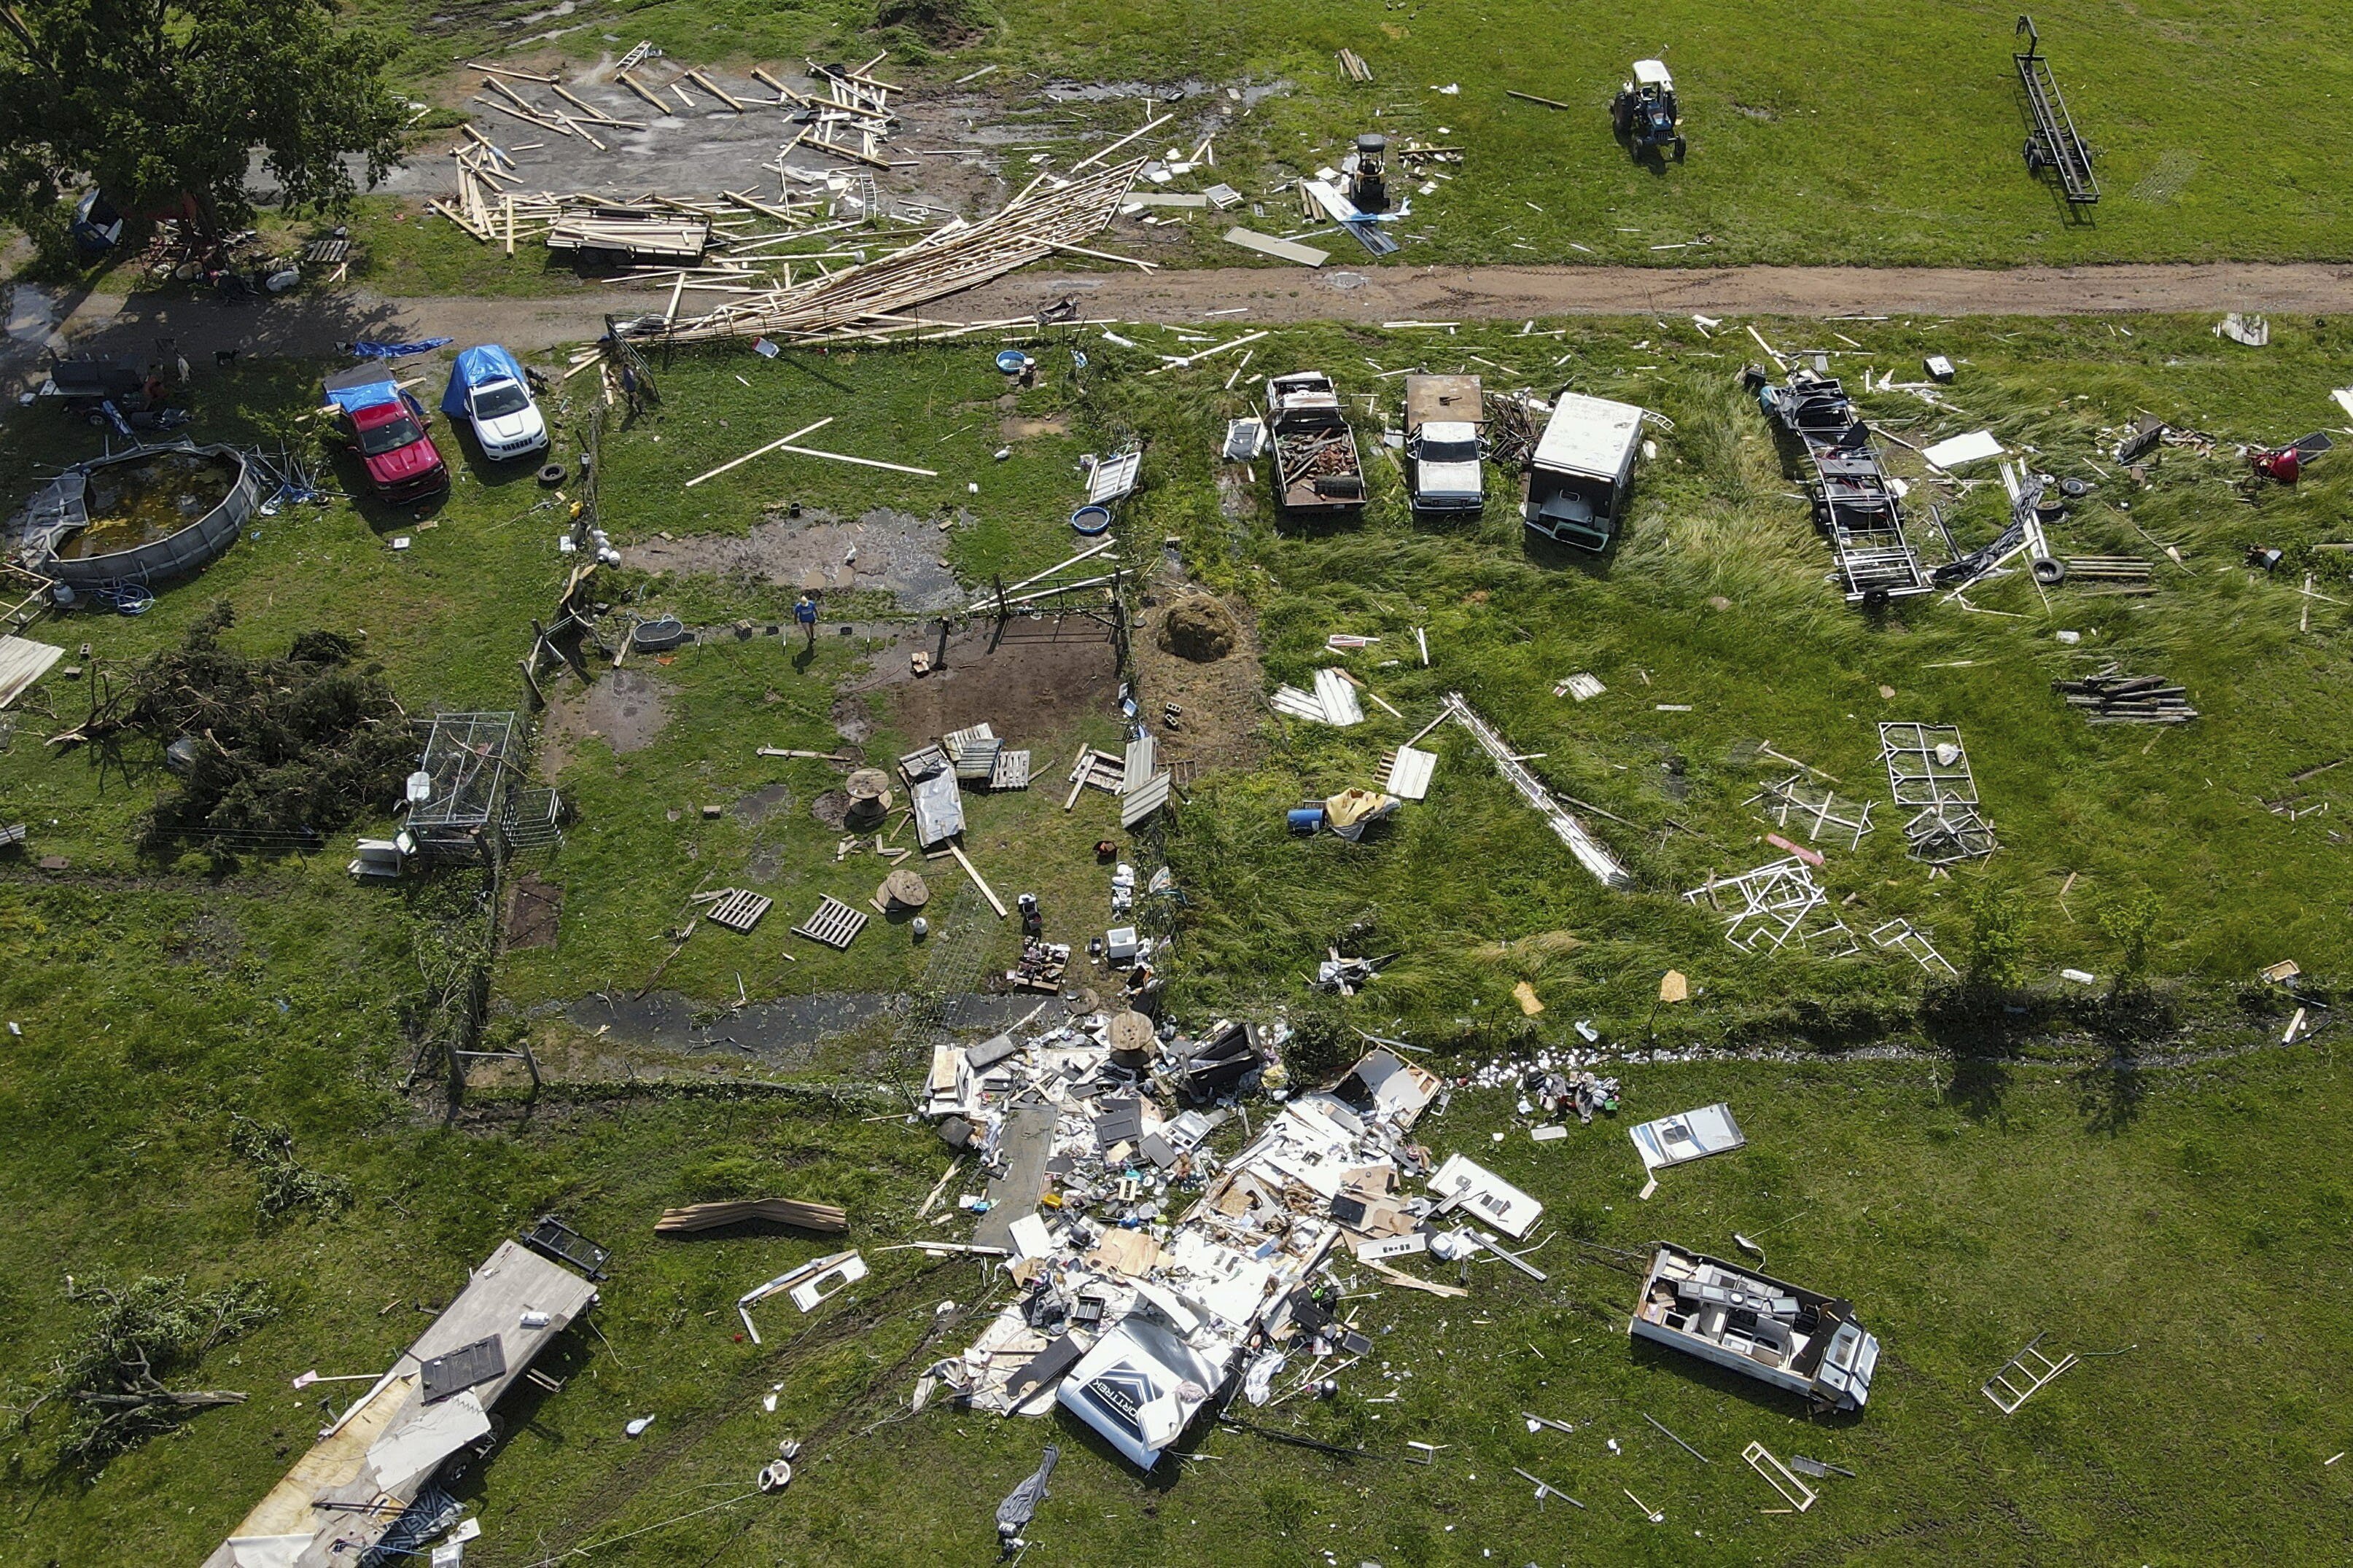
(2049, 572)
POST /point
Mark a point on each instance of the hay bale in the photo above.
(1199, 628)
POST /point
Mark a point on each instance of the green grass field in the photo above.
(1873, 138)
(1973, 1178)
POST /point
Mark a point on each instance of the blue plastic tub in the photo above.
(1091, 519)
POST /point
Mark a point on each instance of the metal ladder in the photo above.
(2023, 1375)
(1589, 850)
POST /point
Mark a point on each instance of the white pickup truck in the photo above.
(1443, 415)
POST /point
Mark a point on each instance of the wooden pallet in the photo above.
(1095, 770)
(1012, 771)
(738, 908)
(836, 924)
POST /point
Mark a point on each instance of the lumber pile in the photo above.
(794, 1212)
(639, 232)
(874, 298)
(2110, 698)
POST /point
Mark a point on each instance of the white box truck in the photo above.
(1582, 471)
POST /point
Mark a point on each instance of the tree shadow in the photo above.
(1980, 1029)
(2109, 1094)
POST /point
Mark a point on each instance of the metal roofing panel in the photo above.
(1591, 435)
(939, 808)
(1142, 760)
(22, 662)
(1410, 774)
(1298, 704)
(1338, 696)
(1144, 800)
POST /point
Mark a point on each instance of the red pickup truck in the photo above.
(387, 428)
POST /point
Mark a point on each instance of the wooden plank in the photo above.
(509, 70)
(642, 90)
(747, 456)
(970, 871)
(1149, 125)
(715, 91)
(1281, 250)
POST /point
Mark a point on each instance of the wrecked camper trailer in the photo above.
(1767, 1329)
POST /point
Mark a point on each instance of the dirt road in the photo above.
(314, 325)
(1475, 293)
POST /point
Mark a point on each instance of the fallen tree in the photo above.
(267, 749)
(111, 1385)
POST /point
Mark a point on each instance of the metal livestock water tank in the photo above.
(77, 520)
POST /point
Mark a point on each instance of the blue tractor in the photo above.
(1644, 112)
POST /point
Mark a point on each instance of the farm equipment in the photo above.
(1368, 169)
(1644, 112)
(2285, 464)
(1317, 470)
(2053, 144)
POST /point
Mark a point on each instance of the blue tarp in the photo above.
(479, 366)
(394, 351)
(365, 394)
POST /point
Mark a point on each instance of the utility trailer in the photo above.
(1317, 470)
(1798, 1340)
(1442, 448)
(2053, 144)
(1858, 505)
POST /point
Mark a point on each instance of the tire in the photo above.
(1679, 149)
(551, 474)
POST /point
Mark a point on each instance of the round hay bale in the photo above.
(903, 890)
(1199, 628)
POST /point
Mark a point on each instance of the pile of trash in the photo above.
(1153, 1274)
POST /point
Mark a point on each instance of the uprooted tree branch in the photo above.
(111, 1385)
(288, 1186)
(269, 749)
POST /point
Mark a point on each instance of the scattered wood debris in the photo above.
(2113, 698)
(794, 1212)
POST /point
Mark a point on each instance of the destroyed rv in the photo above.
(1152, 1274)
(1767, 1329)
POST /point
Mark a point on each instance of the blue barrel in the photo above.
(1305, 819)
(1091, 519)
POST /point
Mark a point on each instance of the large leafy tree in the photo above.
(162, 104)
